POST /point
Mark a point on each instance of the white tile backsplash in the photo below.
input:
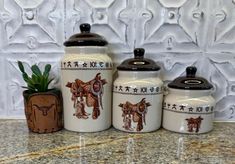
(175, 34)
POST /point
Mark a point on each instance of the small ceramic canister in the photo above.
(189, 106)
(137, 95)
(86, 78)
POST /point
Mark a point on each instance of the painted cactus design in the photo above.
(87, 94)
(134, 112)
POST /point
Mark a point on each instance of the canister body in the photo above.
(188, 111)
(137, 101)
(86, 81)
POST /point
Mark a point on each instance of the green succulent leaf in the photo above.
(36, 70)
(47, 70)
(21, 67)
(31, 87)
(43, 83)
(34, 78)
(25, 77)
(31, 83)
(38, 82)
(48, 83)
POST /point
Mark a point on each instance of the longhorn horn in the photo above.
(36, 106)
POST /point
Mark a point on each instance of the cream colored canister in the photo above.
(137, 95)
(86, 81)
(188, 106)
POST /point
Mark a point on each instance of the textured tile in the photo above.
(222, 26)
(174, 64)
(35, 26)
(222, 68)
(175, 26)
(2, 88)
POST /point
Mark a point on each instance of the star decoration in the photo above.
(135, 90)
(190, 109)
(84, 64)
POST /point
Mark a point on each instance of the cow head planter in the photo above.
(188, 106)
(43, 107)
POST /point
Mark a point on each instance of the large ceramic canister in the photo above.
(137, 95)
(189, 107)
(86, 79)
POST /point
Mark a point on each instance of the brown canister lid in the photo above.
(190, 81)
(138, 63)
(85, 38)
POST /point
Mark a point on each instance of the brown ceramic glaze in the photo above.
(43, 111)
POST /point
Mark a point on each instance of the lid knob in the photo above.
(85, 28)
(139, 53)
(191, 71)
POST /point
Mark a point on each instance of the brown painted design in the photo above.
(93, 65)
(194, 124)
(180, 108)
(137, 90)
(43, 112)
(44, 109)
(87, 94)
(134, 112)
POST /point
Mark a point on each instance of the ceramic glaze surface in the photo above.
(176, 33)
(86, 81)
(137, 101)
(187, 111)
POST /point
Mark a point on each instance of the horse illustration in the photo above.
(134, 112)
(194, 123)
(92, 91)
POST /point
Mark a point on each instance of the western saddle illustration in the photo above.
(135, 113)
(92, 91)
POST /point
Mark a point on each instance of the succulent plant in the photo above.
(39, 81)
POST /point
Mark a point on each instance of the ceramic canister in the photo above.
(86, 79)
(137, 95)
(189, 107)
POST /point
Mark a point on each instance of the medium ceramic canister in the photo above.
(137, 95)
(86, 79)
(189, 107)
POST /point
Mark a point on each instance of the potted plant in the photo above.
(43, 106)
